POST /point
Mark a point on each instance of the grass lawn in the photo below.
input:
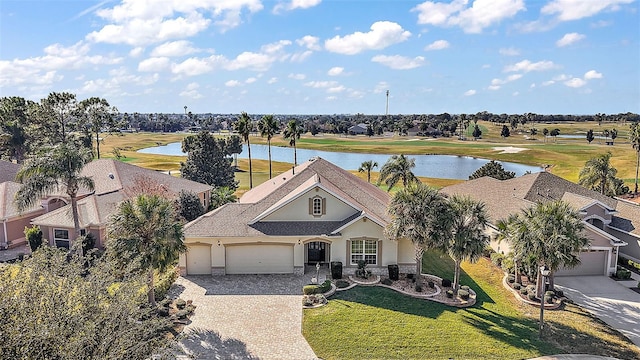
(378, 323)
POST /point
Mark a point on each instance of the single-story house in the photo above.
(613, 226)
(358, 129)
(314, 213)
(114, 182)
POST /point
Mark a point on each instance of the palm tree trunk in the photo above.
(637, 166)
(250, 169)
(517, 273)
(76, 220)
(269, 148)
(151, 294)
(369, 177)
(295, 155)
(98, 144)
(419, 252)
(456, 276)
(551, 281)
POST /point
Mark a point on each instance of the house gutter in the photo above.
(6, 236)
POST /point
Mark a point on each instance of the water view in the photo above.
(435, 166)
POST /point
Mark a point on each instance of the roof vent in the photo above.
(111, 176)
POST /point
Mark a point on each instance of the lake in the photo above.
(435, 166)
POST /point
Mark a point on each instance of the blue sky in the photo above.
(327, 56)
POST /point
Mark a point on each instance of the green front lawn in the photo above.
(378, 323)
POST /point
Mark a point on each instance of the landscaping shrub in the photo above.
(164, 281)
(180, 304)
(531, 296)
(310, 289)
(182, 314)
(559, 293)
(464, 287)
(324, 287)
(532, 288)
(446, 283)
(341, 284)
(431, 284)
(488, 251)
(450, 293)
(394, 272)
(88, 242)
(464, 294)
(34, 237)
(549, 293)
(628, 262)
(511, 279)
(336, 270)
(418, 288)
(387, 282)
(517, 286)
(362, 271)
(623, 274)
(548, 299)
(524, 291)
(497, 258)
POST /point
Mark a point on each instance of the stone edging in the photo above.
(326, 295)
(515, 293)
(366, 282)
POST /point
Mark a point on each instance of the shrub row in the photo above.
(628, 262)
(317, 289)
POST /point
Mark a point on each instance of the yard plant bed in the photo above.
(379, 323)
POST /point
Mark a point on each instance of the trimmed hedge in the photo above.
(317, 289)
(449, 293)
(446, 282)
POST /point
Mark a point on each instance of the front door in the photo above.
(316, 252)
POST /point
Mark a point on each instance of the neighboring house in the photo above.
(613, 226)
(114, 181)
(358, 129)
(12, 222)
(316, 214)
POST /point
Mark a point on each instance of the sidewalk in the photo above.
(13, 254)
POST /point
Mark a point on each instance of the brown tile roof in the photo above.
(8, 209)
(234, 219)
(8, 171)
(92, 210)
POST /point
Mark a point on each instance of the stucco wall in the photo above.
(597, 211)
(298, 210)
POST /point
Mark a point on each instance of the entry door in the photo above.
(317, 252)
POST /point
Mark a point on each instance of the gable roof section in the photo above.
(239, 219)
(8, 171)
(627, 218)
(8, 209)
(93, 210)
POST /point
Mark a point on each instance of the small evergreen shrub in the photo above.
(497, 258)
(548, 299)
(524, 291)
(623, 274)
(517, 286)
(182, 314)
(511, 279)
(180, 304)
(324, 287)
(310, 289)
(450, 293)
(394, 272)
(34, 237)
(464, 294)
(559, 293)
(341, 284)
(431, 284)
(464, 287)
(549, 293)
(362, 271)
(387, 282)
(418, 288)
(336, 270)
(410, 276)
(531, 296)
(446, 283)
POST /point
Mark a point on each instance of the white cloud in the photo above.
(569, 39)
(527, 66)
(575, 82)
(198, 66)
(480, 15)
(294, 4)
(173, 49)
(336, 89)
(232, 83)
(335, 71)
(273, 80)
(437, 45)
(191, 91)
(136, 52)
(398, 62)
(321, 84)
(297, 76)
(469, 92)
(300, 57)
(592, 74)
(250, 80)
(252, 61)
(154, 64)
(382, 35)
(509, 51)
(310, 42)
(382, 86)
(567, 10)
(332, 98)
(497, 83)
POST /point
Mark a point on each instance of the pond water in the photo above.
(435, 166)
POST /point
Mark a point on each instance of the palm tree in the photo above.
(417, 214)
(397, 168)
(268, 127)
(292, 133)
(146, 229)
(550, 233)
(244, 127)
(598, 174)
(221, 196)
(368, 167)
(508, 230)
(57, 168)
(467, 239)
(634, 138)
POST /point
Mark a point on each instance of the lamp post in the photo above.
(544, 272)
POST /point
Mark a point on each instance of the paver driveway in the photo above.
(246, 316)
(610, 302)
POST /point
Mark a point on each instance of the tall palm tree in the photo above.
(146, 229)
(508, 230)
(418, 214)
(634, 138)
(552, 234)
(57, 168)
(466, 239)
(292, 133)
(598, 174)
(368, 166)
(244, 126)
(397, 168)
(268, 127)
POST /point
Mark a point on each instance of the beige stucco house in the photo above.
(613, 226)
(314, 213)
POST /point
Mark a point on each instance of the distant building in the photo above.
(358, 129)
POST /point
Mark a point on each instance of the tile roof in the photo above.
(234, 219)
(627, 217)
(8, 171)
(93, 210)
(8, 209)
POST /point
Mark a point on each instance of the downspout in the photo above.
(6, 236)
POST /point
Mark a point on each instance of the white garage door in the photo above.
(591, 263)
(198, 260)
(259, 259)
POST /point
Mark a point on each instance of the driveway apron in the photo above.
(612, 303)
(249, 316)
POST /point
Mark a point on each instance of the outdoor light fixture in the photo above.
(544, 272)
(218, 242)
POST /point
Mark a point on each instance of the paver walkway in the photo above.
(245, 316)
(613, 303)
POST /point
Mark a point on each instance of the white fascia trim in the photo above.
(363, 215)
(624, 231)
(605, 234)
(271, 210)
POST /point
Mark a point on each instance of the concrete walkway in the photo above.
(611, 302)
(245, 316)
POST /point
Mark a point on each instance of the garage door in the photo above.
(198, 260)
(591, 263)
(259, 259)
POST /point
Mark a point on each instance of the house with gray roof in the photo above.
(612, 225)
(314, 213)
